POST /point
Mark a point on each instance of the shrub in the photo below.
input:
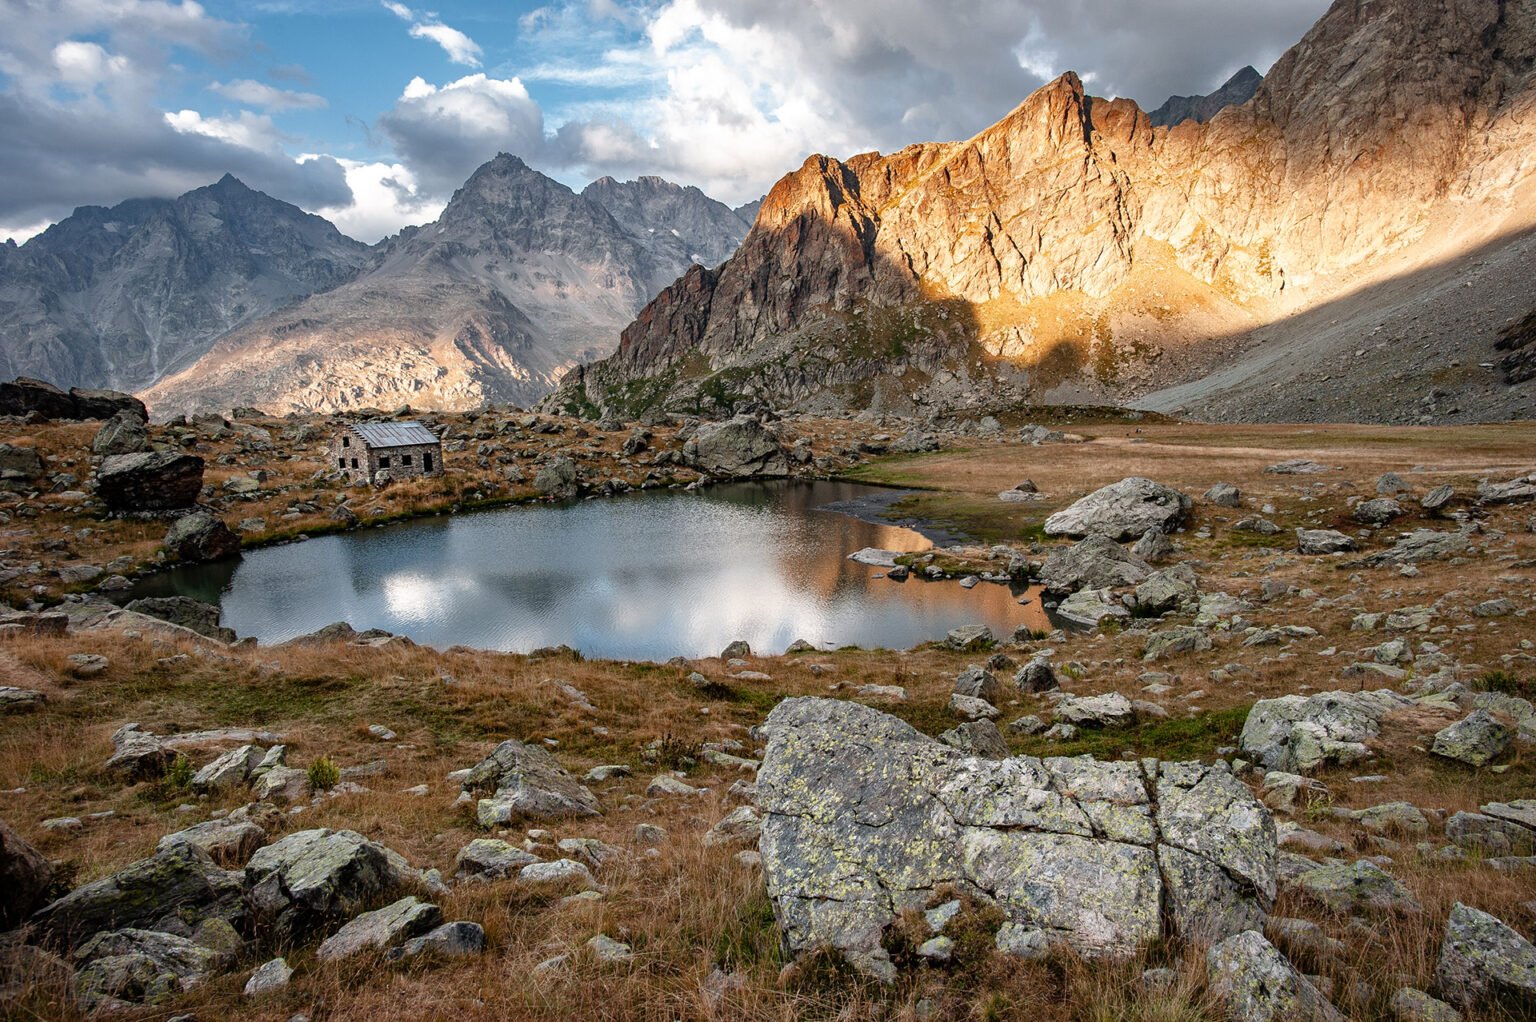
(178, 774)
(323, 774)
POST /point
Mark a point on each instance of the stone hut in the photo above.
(406, 450)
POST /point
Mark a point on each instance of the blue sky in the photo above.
(371, 112)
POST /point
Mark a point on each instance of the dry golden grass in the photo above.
(693, 909)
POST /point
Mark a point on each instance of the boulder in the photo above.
(24, 395)
(1097, 562)
(20, 700)
(490, 858)
(1378, 512)
(1357, 887)
(1297, 733)
(1492, 833)
(1324, 541)
(201, 536)
(1168, 590)
(1172, 641)
(1090, 608)
(1410, 1005)
(312, 880)
(1476, 740)
(232, 768)
(1435, 500)
(106, 404)
(1515, 491)
(227, 841)
(1419, 546)
(1122, 511)
(1484, 963)
(741, 825)
(200, 617)
(864, 817)
(20, 464)
(1224, 495)
(979, 683)
(559, 876)
(382, 928)
(977, 738)
(557, 478)
(450, 940)
(970, 638)
(738, 448)
(1297, 467)
(134, 966)
(124, 433)
(1108, 710)
(173, 890)
(26, 878)
(1255, 983)
(1153, 547)
(525, 782)
(269, 978)
(152, 482)
(1036, 676)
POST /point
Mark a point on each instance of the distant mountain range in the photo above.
(227, 296)
(1349, 242)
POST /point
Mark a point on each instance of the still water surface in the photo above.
(646, 576)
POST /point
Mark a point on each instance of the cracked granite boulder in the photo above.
(864, 817)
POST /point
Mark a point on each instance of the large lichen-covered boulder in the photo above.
(1476, 740)
(864, 816)
(525, 782)
(131, 966)
(1356, 888)
(1483, 962)
(26, 877)
(1122, 511)
(172, 891)
(1097, 562)
(737, 448)
(312, 880)
(150, 482)
(1298, 734)
(1256, 984)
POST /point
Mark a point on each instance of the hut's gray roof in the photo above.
(394, 434)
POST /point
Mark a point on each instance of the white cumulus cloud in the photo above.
(268, 97)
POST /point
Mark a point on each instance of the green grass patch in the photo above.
(1179, 739)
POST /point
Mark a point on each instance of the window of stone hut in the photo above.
(426, 462)
(384, 461)
(354, 462)
(346, 441)
(405, 459)
(342, 462)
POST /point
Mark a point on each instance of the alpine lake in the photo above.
(645, 576)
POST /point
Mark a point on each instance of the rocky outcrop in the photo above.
(124, 433)
(1097, 562)
(1018, 264)
(200, 617)
(152, 482)
(132, 966)
(1484, 963)
(26, 878)
(863, 817)
(23, 396)
(201, 536)
(524, 782)
(1297, 734)
(312, 880)
(172, 891)
(740, 448)
(1122, 511)
(1255, 983)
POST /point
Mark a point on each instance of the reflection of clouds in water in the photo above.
(651, 576)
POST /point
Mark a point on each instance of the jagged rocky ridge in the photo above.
(1075, 252)
(1236, 91)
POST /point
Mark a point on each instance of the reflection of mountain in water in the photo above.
(647, 576)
